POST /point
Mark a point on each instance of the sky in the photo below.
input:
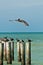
(29, 10)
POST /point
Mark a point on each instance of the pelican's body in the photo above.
(21, 20)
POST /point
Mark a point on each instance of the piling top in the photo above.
(29, 40)
(5, 40)
(22, 40)
(5, 37)
(17, 39)
(11, 39)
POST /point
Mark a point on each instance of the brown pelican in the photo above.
(21, 20)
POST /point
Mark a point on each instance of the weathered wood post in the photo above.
(4, 42)
(22, 45)
(9, 60)
(18, 50)
(28, 52)
(1, 53)
(4, 55)
(12, 48)
(5, 52)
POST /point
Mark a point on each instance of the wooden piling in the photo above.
(22, 45)
(28, 52)
(5, 46)
(9, 60)
(1, 53)
(4, 51)
(18, 51)
(12, 48)
(4, 42)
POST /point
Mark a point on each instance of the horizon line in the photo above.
(21, 32)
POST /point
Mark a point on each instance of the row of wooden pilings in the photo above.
(24, 52)
(7, 51)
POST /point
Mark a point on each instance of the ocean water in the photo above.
(36, 45)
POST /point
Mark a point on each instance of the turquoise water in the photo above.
(36, 45)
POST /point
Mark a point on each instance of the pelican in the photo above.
(21, 20)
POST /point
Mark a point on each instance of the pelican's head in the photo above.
(18, 19)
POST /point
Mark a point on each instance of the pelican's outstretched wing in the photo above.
(25, 23)
(11, 20)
